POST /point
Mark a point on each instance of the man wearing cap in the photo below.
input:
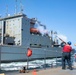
(66, 55)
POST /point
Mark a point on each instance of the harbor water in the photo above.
(35, 64)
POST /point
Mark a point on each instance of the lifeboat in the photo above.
(34, 30)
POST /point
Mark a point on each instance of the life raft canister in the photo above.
(29, 52)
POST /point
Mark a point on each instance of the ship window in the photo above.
(35, 45)
(10, 44)
(21, 29)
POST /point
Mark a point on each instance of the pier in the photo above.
(50, 71)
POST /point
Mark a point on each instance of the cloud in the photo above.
(41, 28)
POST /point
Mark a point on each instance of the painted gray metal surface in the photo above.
(18, 27)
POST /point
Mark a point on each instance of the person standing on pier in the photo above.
(66, 55)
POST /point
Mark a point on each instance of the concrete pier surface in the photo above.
(50, 71)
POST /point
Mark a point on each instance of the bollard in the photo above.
(23, 70)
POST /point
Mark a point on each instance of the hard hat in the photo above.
(69, 42)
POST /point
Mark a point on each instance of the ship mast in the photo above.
(21, 7)
(6, 10)
(16, 7)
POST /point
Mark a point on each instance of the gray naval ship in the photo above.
(18, 32)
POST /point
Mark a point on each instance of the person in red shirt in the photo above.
(66, 55)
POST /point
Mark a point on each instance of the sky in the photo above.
(57, 15)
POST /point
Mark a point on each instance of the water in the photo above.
(36, 64)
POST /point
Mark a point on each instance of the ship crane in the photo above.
(62, 42)
(61, 39)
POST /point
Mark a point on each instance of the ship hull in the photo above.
(18, 53)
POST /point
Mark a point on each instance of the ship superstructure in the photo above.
(13, 29)
(20, 30)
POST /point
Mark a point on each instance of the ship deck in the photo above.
(49, 71)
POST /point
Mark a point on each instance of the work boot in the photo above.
(71, 68)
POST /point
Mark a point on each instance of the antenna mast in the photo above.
(16, 7)
(21, 7)
(6, 10)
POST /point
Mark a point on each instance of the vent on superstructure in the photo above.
(35, 45)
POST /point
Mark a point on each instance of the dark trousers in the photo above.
(66, 57)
